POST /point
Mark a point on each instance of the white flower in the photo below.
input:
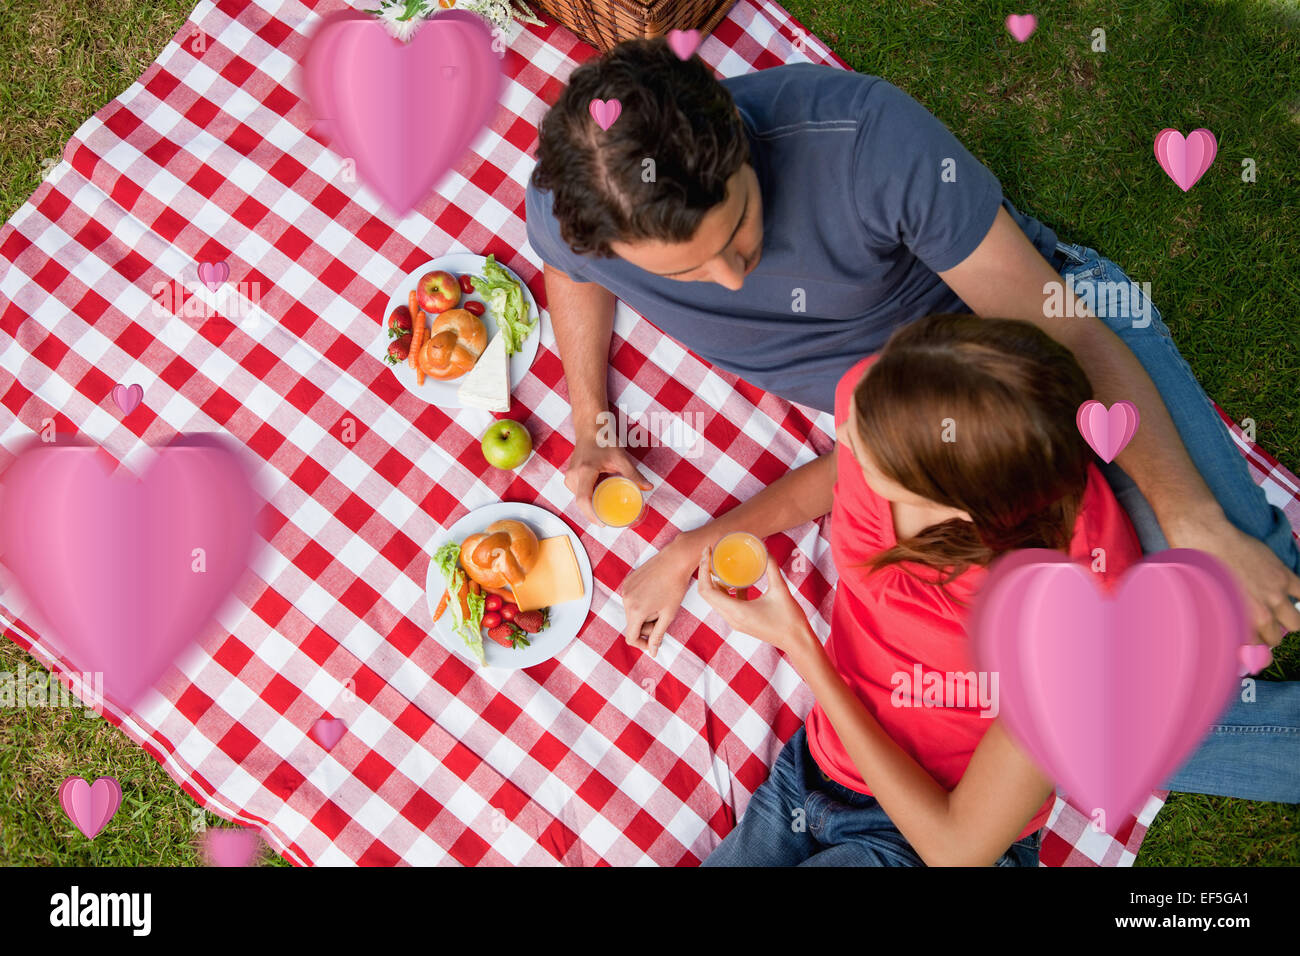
(402, 17)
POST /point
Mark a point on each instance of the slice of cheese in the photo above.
(487, 385)
(554, 579)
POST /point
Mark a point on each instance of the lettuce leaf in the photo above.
(447, 560)
(505, 297)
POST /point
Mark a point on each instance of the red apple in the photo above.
(437, 292)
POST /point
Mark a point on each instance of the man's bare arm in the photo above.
(582, 314)
(1006, 277)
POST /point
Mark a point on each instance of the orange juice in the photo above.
(739, 559)
(617, 501)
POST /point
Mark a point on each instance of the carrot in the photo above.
(464, 600)
(420, 336)
(417, 334)
(442, 606)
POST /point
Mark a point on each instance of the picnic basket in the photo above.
(606, 23)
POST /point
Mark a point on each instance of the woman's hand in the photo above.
(653, 592)
(774, 616)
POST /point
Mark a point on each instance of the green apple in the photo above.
(507, 444)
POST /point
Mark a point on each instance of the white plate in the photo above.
(566, 619)
(442, 392)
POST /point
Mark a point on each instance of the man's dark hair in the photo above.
(675, 113)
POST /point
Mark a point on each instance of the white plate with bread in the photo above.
(460, 360)
(549, 569)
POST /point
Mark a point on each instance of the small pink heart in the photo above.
(604, 113)
(683, 42)
(328, 731)
(90, 806)
(1254, 658)
(213, 274)
(1185, 158)
(127, 398)
(229, 846)
(1108, 432)
(1022, 26)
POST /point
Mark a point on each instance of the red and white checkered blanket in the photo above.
(600, 755)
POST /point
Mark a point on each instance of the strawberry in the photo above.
(503, 634)
(530, 621)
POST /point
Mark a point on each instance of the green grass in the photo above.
(1069, 133)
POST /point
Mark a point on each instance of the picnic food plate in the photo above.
(443, 393)
(566, 619)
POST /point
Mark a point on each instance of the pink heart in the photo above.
(1110, 693)
(90, 806)
(1254, 658)
(404, 112)
(604, 113)
(229, 846)
(328, 731)
(127, 398)
(213, 274)
(1022, 25)
(126, 573)
(1185, 159)
(683, 43)
(1107, 432)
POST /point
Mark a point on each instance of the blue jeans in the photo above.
(1253, 751)
(800, 817)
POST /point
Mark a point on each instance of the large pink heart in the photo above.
(1110, 694)
(405, 112)
(1185, 159)
(126, 572)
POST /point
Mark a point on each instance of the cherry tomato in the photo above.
(508, 611)
(466, 284)
(491, 619)
(474, 308)
(493, 602)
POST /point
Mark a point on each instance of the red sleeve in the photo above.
(844, 390)
(1104, 524)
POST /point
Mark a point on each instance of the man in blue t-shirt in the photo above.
(783, 223)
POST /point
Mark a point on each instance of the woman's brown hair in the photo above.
(977, 414)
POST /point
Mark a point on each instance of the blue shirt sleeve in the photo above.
(915, 184)
(544, 236)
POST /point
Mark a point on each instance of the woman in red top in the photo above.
(955, 444)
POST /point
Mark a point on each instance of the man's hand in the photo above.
(653, 593)
(1266, 583)
(590, 460)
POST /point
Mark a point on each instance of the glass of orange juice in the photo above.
(617, 501)
(739, 559)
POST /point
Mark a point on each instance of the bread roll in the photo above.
(501, 555)
(456, 340)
